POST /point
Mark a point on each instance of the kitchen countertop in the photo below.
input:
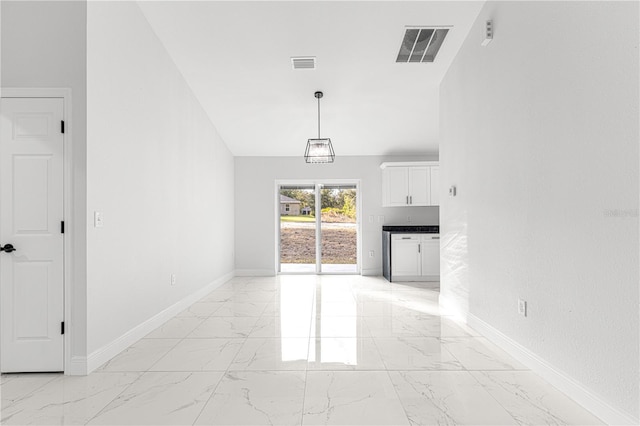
(407, 229)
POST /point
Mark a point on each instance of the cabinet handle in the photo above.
(419, 247)
(407, 199)
(410, 199)
(406, 238)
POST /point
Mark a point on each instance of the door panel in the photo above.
(435, 186)
(397, 189)
(31, 209)
(405, 257)
(338, 229)
(31, 175)
(31, 300)
(419, 186)
(431, 257)
(297, 229)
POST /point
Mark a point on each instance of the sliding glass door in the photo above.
(318, 228)
(338, 229)
(298, 229)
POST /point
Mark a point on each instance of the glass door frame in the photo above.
(317, 183)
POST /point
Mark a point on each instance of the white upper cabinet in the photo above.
(419, 183)
(410, 184)
(395, 181)
(434, 185)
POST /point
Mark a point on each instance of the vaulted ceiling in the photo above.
(235, 55)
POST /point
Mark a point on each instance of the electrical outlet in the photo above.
(370, 218)
(380, 219)
(371, 253)
(408, 219)
(173, 279)
(522, 307)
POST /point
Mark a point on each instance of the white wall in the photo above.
(159, 172)
(44, 45)
(255, 231)
(540, 134)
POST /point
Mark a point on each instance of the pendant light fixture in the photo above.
(319, 150)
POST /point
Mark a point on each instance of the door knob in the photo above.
(7, 248)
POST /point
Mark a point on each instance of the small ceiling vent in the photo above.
(421, 44)
(304, 63)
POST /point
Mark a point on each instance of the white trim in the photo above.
(416, 278)
(553, 375)
(255, 273)
(372, 272)
(408, 164)
(316, 183)
(110, 350)
(64, 93)
(318, 216)
(77, 366)
(277, 228)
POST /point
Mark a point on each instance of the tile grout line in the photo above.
(142, 373)
(492, 396)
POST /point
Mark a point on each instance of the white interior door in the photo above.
(31, 212)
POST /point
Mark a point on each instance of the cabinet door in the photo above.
(396, 186)
(430, 250)
(419, 186)
(434, 185)
(405, 256)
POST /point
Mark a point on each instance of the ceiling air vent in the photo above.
(304, 63)
(421, 44)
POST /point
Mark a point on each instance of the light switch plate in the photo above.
(522, 307)
(98, 219)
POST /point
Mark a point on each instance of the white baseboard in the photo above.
(110, 350)
(255, 273)
(373, 272)
(416, 279)
(551, 374)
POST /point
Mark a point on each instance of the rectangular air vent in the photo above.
(304, 63)
(421, 44)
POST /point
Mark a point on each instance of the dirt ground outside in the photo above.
(339, 243)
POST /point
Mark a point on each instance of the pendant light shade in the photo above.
(319, 150)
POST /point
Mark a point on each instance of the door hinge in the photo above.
(62, 327)
(62, 126)
(62, 227)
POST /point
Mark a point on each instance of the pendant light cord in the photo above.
(318, 117)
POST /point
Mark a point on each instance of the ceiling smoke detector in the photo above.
(303, 63)
(421, 44)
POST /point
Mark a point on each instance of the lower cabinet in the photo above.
(405, 255)
(415, 257)
(430, 259)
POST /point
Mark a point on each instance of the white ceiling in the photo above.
(236, 58)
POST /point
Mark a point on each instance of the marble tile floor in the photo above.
(300, 350)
